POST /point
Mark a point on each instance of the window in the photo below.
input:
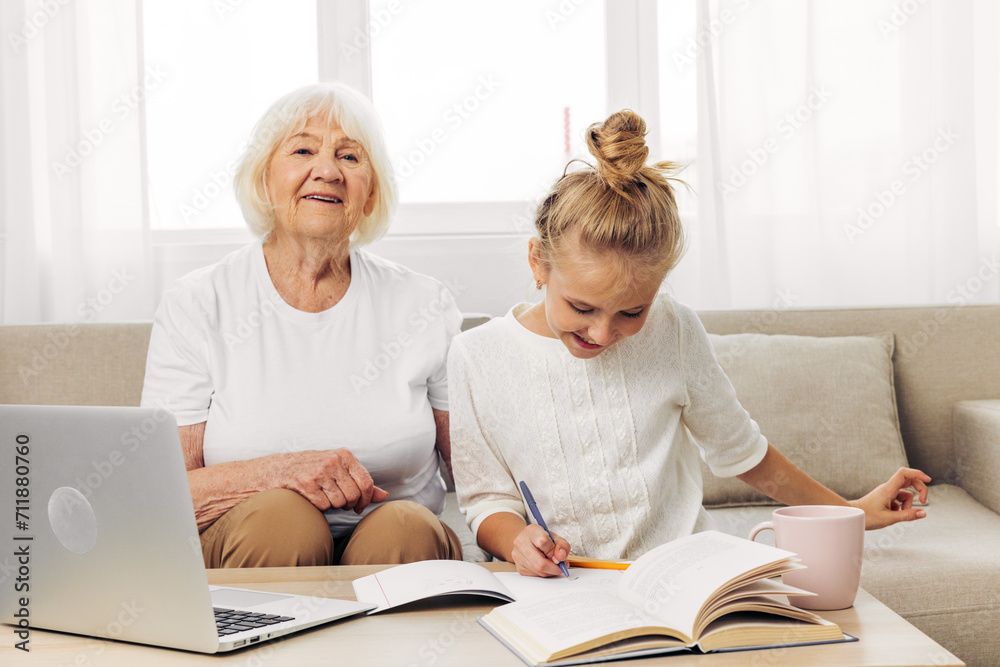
(216, 82)
(485, 115)
(471, 116)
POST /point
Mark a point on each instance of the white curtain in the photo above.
(847, 153)
(74, 242)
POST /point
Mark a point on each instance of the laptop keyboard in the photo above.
(231, 621)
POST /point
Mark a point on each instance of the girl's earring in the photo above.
(538, 284)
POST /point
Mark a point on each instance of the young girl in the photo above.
(601, 396)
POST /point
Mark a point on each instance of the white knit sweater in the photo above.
(608, 446)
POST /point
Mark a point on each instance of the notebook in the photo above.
(100, 538)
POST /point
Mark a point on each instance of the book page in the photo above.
(531, 588)
(673, 581)
(750, 629)
(532, 653)
(425, 579)
(572, 620)
(773, 588)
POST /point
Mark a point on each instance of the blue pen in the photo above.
(541, 522)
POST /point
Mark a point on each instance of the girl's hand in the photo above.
(892, 502)
(535, 555)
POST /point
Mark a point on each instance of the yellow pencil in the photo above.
(596, 563)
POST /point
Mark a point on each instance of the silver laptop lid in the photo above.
(103, 540)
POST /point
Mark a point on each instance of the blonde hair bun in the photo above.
(622, 205)
(619, 144)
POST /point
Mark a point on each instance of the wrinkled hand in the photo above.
(892, 502)
(328, 479)
(535, 555)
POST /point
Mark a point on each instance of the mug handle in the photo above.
(766, 525)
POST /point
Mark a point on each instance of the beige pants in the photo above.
(280, 528)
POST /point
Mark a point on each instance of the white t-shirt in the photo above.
(267, 378)
(608, 446)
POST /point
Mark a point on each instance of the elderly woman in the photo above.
(306, 375)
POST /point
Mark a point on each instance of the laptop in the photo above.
(100, 538)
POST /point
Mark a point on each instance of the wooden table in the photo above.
(444, 632)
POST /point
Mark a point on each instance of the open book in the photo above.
(408, 583)
(706, 592)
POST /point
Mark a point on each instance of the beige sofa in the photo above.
(939, 367)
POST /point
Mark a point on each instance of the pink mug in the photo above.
(830, 541)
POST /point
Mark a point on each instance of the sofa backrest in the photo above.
(944, 354)
(82, 364)
(73, 364)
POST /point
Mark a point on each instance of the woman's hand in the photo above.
(536, 555)
(327, 478)
(892, 502)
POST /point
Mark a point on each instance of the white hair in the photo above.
(340, 105)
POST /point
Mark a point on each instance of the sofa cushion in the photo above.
(828, 404)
